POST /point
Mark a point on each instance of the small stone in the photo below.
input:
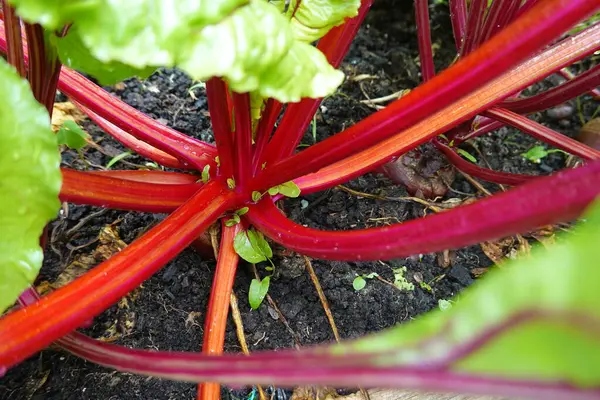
(564, 123)
(461, 275)
(560, 112)
(273, 313)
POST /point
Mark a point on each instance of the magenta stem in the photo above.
(216, 92)
(458, 16)
(12, 32)
(557, 95)
(486, 174)
(424, 39)
(500, 54)
(543, 133)
(335, 44)
(516, 211)
(474, 29)
(242, 139)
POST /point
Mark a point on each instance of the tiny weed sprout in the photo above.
(529, 329)
(537, 153)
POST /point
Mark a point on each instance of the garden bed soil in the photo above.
(167, 312)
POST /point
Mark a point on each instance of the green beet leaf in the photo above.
(257, 292)
(73, 53)
(249, 43)
(30, 181)
(243, 247)
(72, 135)
(535, 319)
(257, 239)
(289, 189)
(312, 19)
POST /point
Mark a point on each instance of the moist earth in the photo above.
(167, 312)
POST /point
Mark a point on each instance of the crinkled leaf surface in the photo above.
(535, 319)
(312, 19)
(30, 181)
(247, 42)
(75, 55)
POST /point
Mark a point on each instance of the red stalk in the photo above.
(424, 39)
(30, 329)
(475, 21)
(139, 146)
(288, 368)
(134, 122)
(215, 321)
(518, 210)
(458, 15)
(444, 90)
(216, 92)
(334, 45)
(128, 118)
(526, 6)
(160, 177)
(198, 367)
(568, 75)
(242, 139)
(44, 67)
(501, 12)
(486, 174)
(12, 32)
(264, 131)
(482, 130)
(543, 133)
(558, 94)
(103, 190)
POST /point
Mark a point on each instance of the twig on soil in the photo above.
(214, 240)
(84, 221)
(239, 330)
(432, 206)
(325, 304)
(475, 183)
(322, 297)
(239, 325)
(363, 77)
(383, 99)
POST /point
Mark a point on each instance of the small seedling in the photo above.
(360, 282)
(444, 305)
(467, 155)
(537, 153)
(252, 247)
(400, 281)
(257, 292)
(118, 158)
(199, 85)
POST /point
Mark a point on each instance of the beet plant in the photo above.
(529, 330)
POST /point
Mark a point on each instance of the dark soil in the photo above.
(167, 312)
